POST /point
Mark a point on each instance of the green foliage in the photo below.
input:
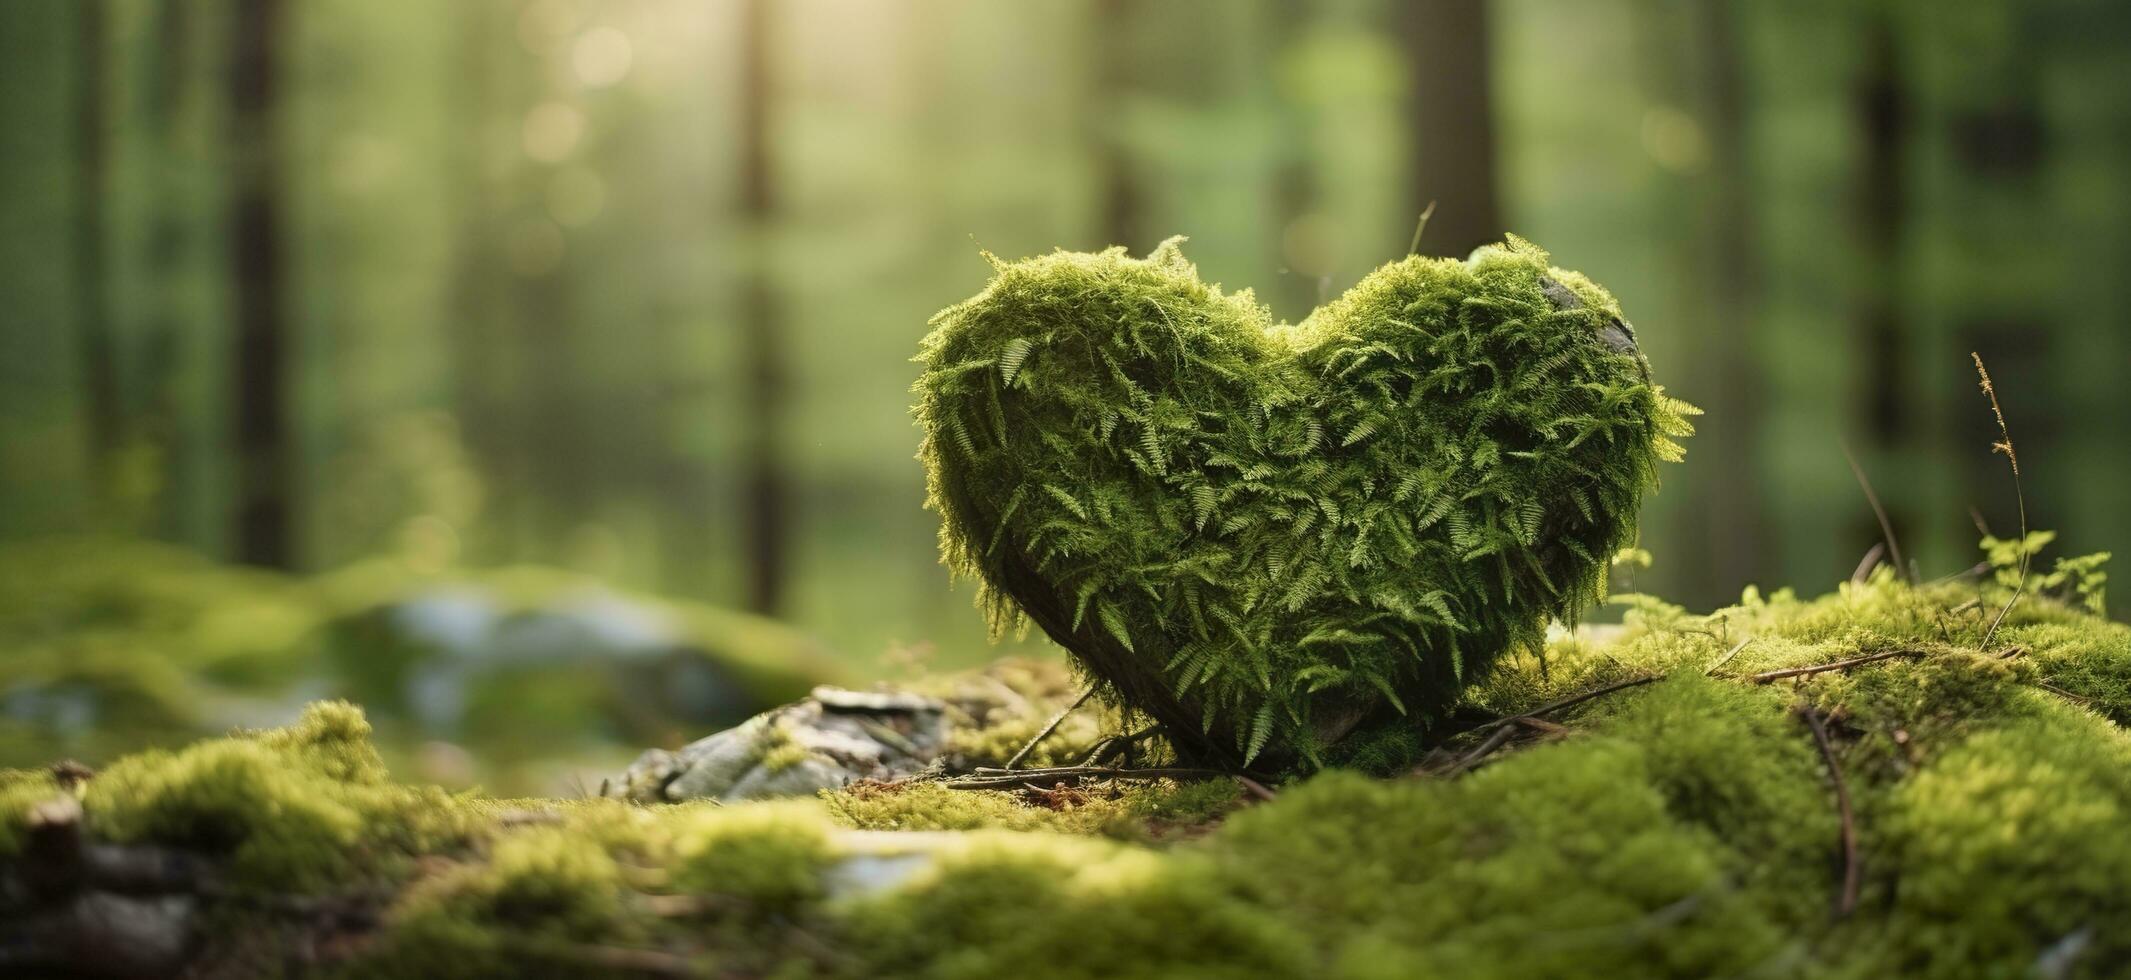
(2083, 579)
(1266, 532)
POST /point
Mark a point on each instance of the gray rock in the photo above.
(832, 738)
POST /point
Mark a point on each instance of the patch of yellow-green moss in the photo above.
(1683, 827)
(299, 808)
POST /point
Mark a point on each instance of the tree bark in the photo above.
(98, 347)
(766, 495)
(1734, 542)
(1119, 200)
(263, 440)
(1451, 123)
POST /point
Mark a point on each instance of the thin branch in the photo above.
(1852, 871)
(1727, 657)
(1426, 213)
(2012, 456)
(1112, 746)
(1257, 789)
(1868, 562)
(1026, 778)
(1568, 702)
(1056, 720)
(1542, 726)
(1776, 675)
(1886, 527)
(1494, 740)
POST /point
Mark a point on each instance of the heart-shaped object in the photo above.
(1263, 534)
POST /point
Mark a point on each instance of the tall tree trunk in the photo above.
(265, 454)
(1294, 190)
(1883, 116)
(159, 414)
(1452, 127)
(98, 347)
(1118, 198)
(1731, 519)
(766, 497)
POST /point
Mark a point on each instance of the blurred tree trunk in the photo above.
(161, 416)
(1118, 197)
(265, 455)
(1294, 178)
(766, 495)
(1883, 118)
(486, 362)
(1731, 518)
(98, 347)
(1452, 126)
(1881, 208)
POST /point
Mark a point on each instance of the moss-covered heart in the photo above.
(1265, 534)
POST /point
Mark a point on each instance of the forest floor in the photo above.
(1883, 780)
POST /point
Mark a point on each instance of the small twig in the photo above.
(2062, 693)
(1568, 702)
(1036, 778)
(1056, 720)
(1487, 747)
(1257, 789)
(1851, 870)
(1426, 213)
(1867, 563)
(1777, 675)
(2010, 652)
(1111, 746)
(2012, 456)
(1542, 726)
(1886, 527)
(1727, 657)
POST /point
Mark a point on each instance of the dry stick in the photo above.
(2005, 445)
(1865, 564)
(1056, 720)
(1256, 788)
(1886, 527)
(1494, 741)
(1023, 778)
(1542, 726)
(1777, 675)
(1568, 702)
(1727, 657)
(1851, 871)
(1426, 213)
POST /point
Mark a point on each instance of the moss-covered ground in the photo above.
(1687, 826)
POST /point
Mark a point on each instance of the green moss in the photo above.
(930, 806)
(2010, 845)
(1684, 827)
(769, 855)
(1005, 905)
(300, 808)
(1264, 533)
(21, 789)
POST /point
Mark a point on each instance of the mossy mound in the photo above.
(110, 644)
(1683, 825)
(1261, 534)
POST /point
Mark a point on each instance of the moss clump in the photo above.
(770, 855)
(1001, 905)
(298, 809)
(1267, 533)
(1127, 813)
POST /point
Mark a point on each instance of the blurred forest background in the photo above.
(630, 287)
